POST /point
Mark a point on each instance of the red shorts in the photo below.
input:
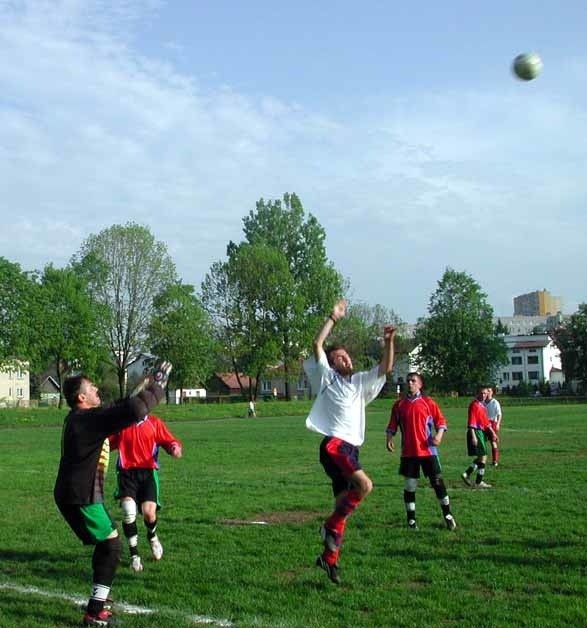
(340, 460)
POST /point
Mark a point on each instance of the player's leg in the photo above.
(129, 527)
(480, 479)
(494, 445)
(433, 471)
(149, 507)
(97, 528)
(410, 469)
(472, 451)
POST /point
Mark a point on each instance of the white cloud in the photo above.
(92, 133)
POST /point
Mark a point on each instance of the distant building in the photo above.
(538, 303)
(15, 385)
(532, 359)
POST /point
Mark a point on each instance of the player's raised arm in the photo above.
(338, 312)
(386, 363)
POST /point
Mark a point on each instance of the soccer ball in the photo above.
(527, 66)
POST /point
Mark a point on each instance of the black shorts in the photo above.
(140, 484)
(430, 465)
(340, 460)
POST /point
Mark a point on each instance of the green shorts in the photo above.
(91, 523)
(480, 449)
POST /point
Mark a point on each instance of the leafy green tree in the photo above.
(571, 339)
(66, 324)
(458, 344)
(501, 329)
(17, 290)
(181, 331)
(360, 332)
(302, 295)
(125, 268)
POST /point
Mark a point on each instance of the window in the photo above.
(515, 351)
(20, 393)
(301, 385)
(517, 360)
(505, 377)
(531, 350)
(266, 386)
(532, 375)
(532, 359)
(518, 376)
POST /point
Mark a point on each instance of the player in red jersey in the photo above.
(138, 479)
(422, 425)
(478, 425)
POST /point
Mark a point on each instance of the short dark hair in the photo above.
(419, 375)
(330, 350)
(72, 387)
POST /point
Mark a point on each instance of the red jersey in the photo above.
(138, 445)
(415, 417)
(477, 416)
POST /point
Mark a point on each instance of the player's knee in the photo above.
(129, 510)
(411, 484)
(366, 486)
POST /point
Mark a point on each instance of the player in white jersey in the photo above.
(338, 414)
(493, 408)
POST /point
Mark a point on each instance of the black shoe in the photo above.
(412, 525)
(103, 618)
(331, 570)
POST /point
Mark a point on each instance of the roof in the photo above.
(230, 380)
(531, 344)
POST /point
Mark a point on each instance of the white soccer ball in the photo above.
(527, 66)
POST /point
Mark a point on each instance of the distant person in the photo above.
(494, 414)
(477, 426)
(338, 413)
(252, 411)
(138, 480)
(422, 426)
(79, 487)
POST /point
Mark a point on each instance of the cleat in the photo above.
(466, 479)
(412, 525)
(108, 604)
(496, 464)
(156, 548)
(135, 564)
(103, 618)
(483, 485)
(451, 524)
(330, 539)
(331, 570)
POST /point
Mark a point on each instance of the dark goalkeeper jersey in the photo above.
(84, 445)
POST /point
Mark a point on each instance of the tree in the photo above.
(459, 348)
(16, 307)
(66, 324)
(360, 333)
(571, 339)
(181, 331)
(501, 329)
(125, 268)
(301, 296)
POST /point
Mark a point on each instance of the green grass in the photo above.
(517, 558)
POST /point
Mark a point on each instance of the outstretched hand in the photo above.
(339, 309)
(389, 332)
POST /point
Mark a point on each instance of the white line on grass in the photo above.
(129, 609)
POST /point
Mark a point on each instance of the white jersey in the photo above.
(493, 410)
(339, 408)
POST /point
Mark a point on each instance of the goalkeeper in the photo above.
(79, 487)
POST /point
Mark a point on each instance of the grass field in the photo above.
(517, 558)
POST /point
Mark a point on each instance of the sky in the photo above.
(400, 127)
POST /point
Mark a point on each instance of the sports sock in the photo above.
(344, 508)
(480, 472)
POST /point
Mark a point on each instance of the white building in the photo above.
(15, 385)
(531, 359)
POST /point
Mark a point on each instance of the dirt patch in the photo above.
(272, 518)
